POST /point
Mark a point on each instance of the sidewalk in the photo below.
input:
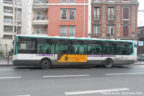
(140, 62)
(4, 61)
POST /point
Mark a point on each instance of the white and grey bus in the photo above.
(47, 51)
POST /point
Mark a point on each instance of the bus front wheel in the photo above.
(45, 64)
(108, 63)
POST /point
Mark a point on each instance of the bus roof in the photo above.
(72, 38)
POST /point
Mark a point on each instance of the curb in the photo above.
(6, 64)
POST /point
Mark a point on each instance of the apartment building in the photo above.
(115, 19)
(10, 23)
(141, 39)
(66, 18)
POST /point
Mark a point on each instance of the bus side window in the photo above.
(45, 48)
(95, 49)
(77, 51)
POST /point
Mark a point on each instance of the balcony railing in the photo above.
(8, 22)
(40, 32)
(40, 21)
(42, 5)
(95, 35)
(96, 17)
(111, 17)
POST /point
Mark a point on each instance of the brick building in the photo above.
(114, 19)
(67, 18)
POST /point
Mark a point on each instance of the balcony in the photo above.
(111, 17)
(40, 4)
(40, 21)
(41, 30)
(97, 17)
(8, 13)
(95, 35)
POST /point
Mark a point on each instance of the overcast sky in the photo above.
(141, 13)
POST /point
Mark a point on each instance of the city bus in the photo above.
(45, 51)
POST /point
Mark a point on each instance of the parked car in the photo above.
(140, 57)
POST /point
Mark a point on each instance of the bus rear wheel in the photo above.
(108, 63)
(45, 64)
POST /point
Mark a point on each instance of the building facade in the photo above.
(115, 19)
(66, 18)
(10, 23)
(141, 39)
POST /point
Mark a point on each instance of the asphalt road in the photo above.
(89, 81)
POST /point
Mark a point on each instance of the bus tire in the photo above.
(45, 64)
(108, 63)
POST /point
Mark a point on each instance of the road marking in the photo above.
(10, 77)
(124, 74)
(23, 95)
(60, 76)
(12, 69)
(6, 69)
(96, 91)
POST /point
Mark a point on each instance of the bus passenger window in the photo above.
(40, 50)
(77, 52)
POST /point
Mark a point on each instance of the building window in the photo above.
(7, 37)
(63, 31)
(125, 31)
(71, 14)
(71, 31)
(8, 10)
(39, 15)
(63, 14)
(96, 29)
(18, 12)
(71, 1)
(111, 31)
(38, 31)
(8, 29)
(8, 20)
(110, 13)
(64, 1)
(125, 13)
(18, 2)
(96, 13)
(8, 1)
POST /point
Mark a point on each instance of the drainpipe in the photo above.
(84, 20)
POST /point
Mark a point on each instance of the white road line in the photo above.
(125, 74)
(60, 76)
(24, 95)
(6, 69)
(10, 77)
(96, 91)
(12, 69)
